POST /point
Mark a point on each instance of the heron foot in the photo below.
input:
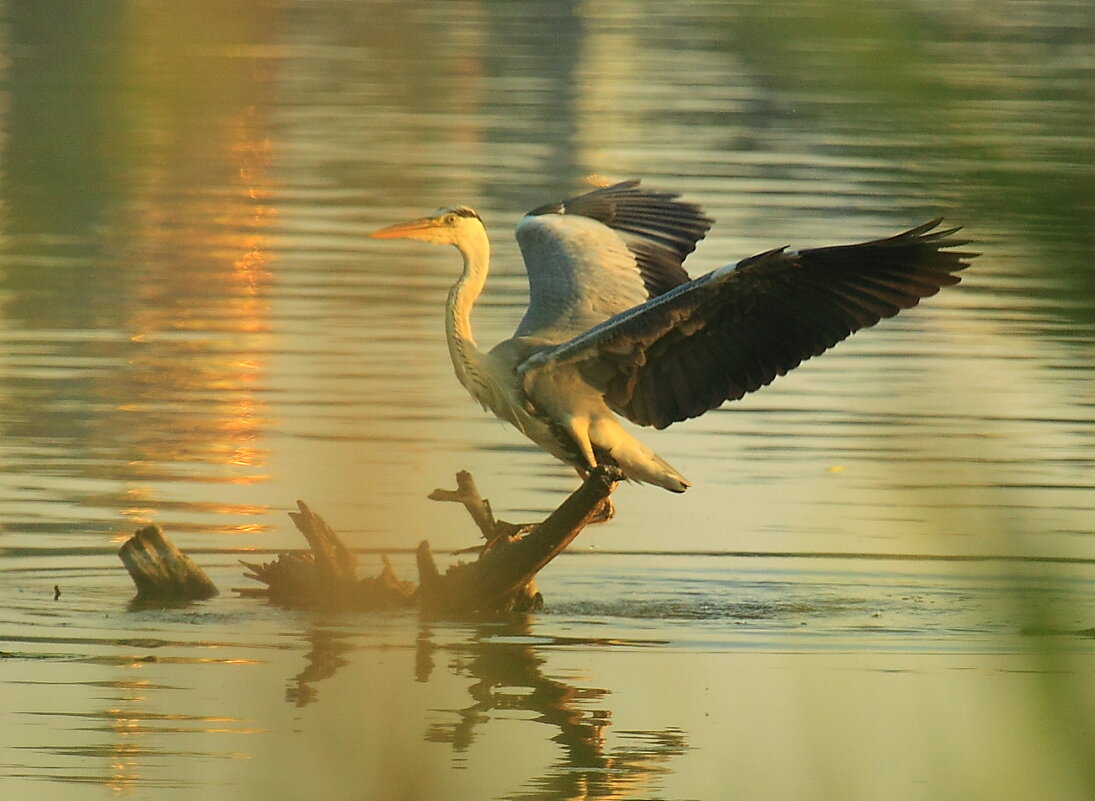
(611, 475)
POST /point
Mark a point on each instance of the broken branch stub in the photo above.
(160, 570)
(332, 558)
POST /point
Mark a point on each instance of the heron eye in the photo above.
(450, 219)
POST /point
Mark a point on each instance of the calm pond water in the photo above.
(882, 584)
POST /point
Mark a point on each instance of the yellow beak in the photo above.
(406, 230)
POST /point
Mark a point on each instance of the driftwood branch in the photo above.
(479, 508)
(503, 575)
(502, 578)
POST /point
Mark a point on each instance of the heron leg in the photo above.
(578, 428)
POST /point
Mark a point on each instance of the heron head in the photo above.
(445, 227)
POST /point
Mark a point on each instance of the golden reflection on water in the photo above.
(125, 764)
(206, 205)
(181, 198)
(136, 732)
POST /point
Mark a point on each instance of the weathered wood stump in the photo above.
(162, 571)
(500, 579)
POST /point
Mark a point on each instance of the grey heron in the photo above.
(616, 327)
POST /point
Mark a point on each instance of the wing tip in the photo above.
(601, 182)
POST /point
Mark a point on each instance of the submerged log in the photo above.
(162, 571)
(501, 578)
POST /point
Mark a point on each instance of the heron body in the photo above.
(616, 327)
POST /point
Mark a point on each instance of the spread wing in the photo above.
(734, 330)
(603, 252)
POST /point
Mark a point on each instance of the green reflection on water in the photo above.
(992, 99)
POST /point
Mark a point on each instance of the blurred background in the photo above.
(881, 584)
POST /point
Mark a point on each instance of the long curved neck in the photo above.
(466, 356)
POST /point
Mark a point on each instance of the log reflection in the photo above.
(507, 666)
(324, 658)
(509, 677)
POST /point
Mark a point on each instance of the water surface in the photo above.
(880, 584)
